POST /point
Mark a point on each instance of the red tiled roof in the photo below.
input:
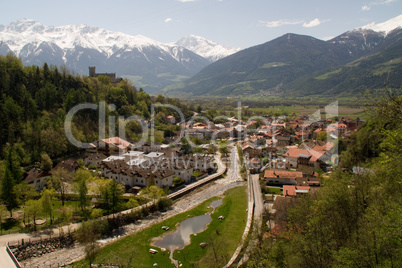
(118, 142)
(292, 189)
(282, 174)
(295, 152)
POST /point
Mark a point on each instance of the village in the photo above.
(281, 159)
(287, 154)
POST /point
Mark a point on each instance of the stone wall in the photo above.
(34, 249)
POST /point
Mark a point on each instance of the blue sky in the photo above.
(234, 23)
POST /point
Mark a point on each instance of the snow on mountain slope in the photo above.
(206, 48)
(369, 38)
(149, 62)
(385, 27)
(18, 34)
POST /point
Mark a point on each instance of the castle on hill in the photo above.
(92, 73)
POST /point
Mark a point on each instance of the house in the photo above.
(70, 165)
(163, 178)
(154, 157)
(171, 152)
(131, 176)
(254, 165)
(170, 119)
(148, 147)
(133, 155)
(37, 177)
(114, 145)
(94, 159)
(250, 150)
(297, 157)
(294, 190)
(282, 177)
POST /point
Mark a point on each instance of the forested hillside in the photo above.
(368, 73)
(35, 100)
(355, 218)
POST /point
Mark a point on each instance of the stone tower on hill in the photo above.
(92, 73)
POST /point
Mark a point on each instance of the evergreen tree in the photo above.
(8, 194)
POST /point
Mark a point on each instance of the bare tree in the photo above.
(59, 181)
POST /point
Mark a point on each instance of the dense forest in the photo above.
(34, 102)
(355, 218)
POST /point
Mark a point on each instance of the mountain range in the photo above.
(364, 58)
(149, 63)
(368, 57)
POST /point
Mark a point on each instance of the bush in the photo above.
(164, 203)
(96, 213)
(178, 182)
(132, 203)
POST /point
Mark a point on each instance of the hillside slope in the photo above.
(288, 64)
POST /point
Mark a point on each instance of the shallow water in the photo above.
(216, 203)
(181, 237)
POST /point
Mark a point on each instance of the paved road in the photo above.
(5, 260)
(258, 202)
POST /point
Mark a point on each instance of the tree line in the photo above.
(34, 101)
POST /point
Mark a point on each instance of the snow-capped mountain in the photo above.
(26, 31)
(206, 48)
(79, 46)
(384, 27)
(371, 37)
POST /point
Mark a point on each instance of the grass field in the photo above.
(222, 237)
(343, 111)
(133, 250)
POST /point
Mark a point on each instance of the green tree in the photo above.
(47, 202)
(199, 109)
(322, 136)
(132, 203)
(33, 209)
(8, 194)
(223, 148)
(185, 146)
(2, 210)
(153, 192)
(116, 190)
(88, 237)
(46, 162)
(13, 164)
(80, 184)
(25, 192)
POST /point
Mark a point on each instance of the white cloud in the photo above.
(313, 23)
(376, 3)
(184, 1)
(168, 20)
(278, 23)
